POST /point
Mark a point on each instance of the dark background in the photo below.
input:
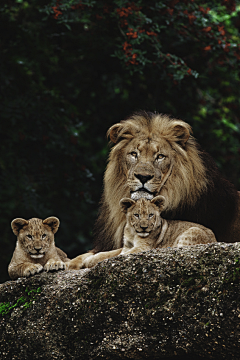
(70, 70)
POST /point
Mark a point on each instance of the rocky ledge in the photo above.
(171, 303)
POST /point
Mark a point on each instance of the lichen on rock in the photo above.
(159, 304)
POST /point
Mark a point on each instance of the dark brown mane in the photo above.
(217, 206)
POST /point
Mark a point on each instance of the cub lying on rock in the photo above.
(146, 230)
(35, 248)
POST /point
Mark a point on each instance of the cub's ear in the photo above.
(181, 133)
(126, 203)
(53, 222)
(17, 225)
(159, 201)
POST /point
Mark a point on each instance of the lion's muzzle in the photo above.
(135, 195)
(143, 178)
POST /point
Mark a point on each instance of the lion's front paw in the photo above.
(54, 265)
(95, 259)
(32, 269)
(90, 262)
(77, 263)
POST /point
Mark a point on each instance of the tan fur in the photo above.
(146, 230)
(77, 262)
(162, 150)
(35, 248)
(182, 169)
(93, 259)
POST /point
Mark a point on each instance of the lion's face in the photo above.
(148, 164)
(149, 150)
(143, 215)
(35, 236)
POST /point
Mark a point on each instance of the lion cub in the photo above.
(35, 248)
(146, 229)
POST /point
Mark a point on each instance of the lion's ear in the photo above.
(126, 203)
(159, 201)
(53, 222)
(17, 225)
(120, 131)
(181, 133)
(113, 132)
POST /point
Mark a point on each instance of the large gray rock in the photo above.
(159, 304)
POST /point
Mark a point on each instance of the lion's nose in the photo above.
(143, 178)
(143, 227)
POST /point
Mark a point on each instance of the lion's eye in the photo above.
(29, 236)
(43, 236)
(150, 215)
(134, 154)
(136, 215)
(160, 157)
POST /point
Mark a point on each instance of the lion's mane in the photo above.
(195, 191)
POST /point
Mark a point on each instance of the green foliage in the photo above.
(71, 69)
(24, 301)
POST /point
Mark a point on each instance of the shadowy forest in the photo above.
(69, 70)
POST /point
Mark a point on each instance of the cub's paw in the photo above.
(32, 269)
(54, 265)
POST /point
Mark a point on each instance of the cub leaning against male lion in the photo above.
(146, 229)
(35, 248)
(154, 154)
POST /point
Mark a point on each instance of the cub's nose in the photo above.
(143, 178)
(37, 248)
(144, 227)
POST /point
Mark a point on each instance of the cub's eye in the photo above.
(136, 215)
(150, 215)
(134, 154)
(160, 157)
(29, 236)
(43, 236)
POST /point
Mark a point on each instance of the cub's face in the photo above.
(143, 215)
(35, 236)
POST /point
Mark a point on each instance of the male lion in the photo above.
(35, 248)
(154, 154)
(146, 229)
